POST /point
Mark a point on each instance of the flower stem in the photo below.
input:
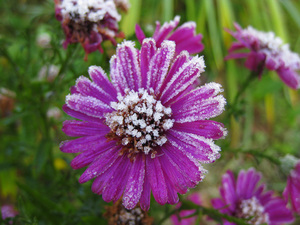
(243, 88)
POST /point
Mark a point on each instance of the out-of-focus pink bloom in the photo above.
(243, 198)
(184, 36)
(292, 190)
(8, 211)
(195, 198)
(266, 50)
(89, 22)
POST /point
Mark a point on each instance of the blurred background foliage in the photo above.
(36, 177)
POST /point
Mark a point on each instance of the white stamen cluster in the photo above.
(91, 10)
(139, 121)
(273, 46)
(252, 209)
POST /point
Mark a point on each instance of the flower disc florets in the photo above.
(139, 122)
(251, 209)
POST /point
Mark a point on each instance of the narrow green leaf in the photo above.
(291, 8)
(168, 9)
(190, 10)
(129, 20)
(214, 33)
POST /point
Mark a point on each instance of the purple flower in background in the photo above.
(89, 22)
(144, 131)
(292, 190)
(242, 198)
(195, 198)
(184, 36)
(266, 50)
(8, 211)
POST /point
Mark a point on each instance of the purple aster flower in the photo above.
(243, 198)
(8, 211)
(184, 36)
(292, 190)
(143, 131)
(266, 50)
(89, 22)
(195, 198)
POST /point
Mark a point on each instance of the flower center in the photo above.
(253, 211)
(139, 122)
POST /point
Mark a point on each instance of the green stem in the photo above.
(212, 213)
(241, 91)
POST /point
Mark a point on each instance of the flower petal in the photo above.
(205, 128)
(88, 105)
(157, 180)
(82, 144)
(100, 78)
(134, 186)
(101, 165)
(159, 65)
(185, 38)
(148, 49)
(75, 128)
(128, 65)
(186, 76)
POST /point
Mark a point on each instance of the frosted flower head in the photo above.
(292, 190)
(147, 130)
(184, 36)
(89, 22)
(118, 214)
(266, 50)
(178, 219)
(244, 198)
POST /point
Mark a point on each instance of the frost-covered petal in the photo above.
(157, 180)
(91, 155)
(145, 197)
(186, 39)
(186, 76)
(148, 49)
(204, 109)
(161, 33)
(205, 128)
(87, 105)
(100, 78)
(79, 115)
(82, 144)
(75, 128)
(114, 186)
(100, 166)
(134, 186)
(198, 147)
(127, 65)
(159, 65)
